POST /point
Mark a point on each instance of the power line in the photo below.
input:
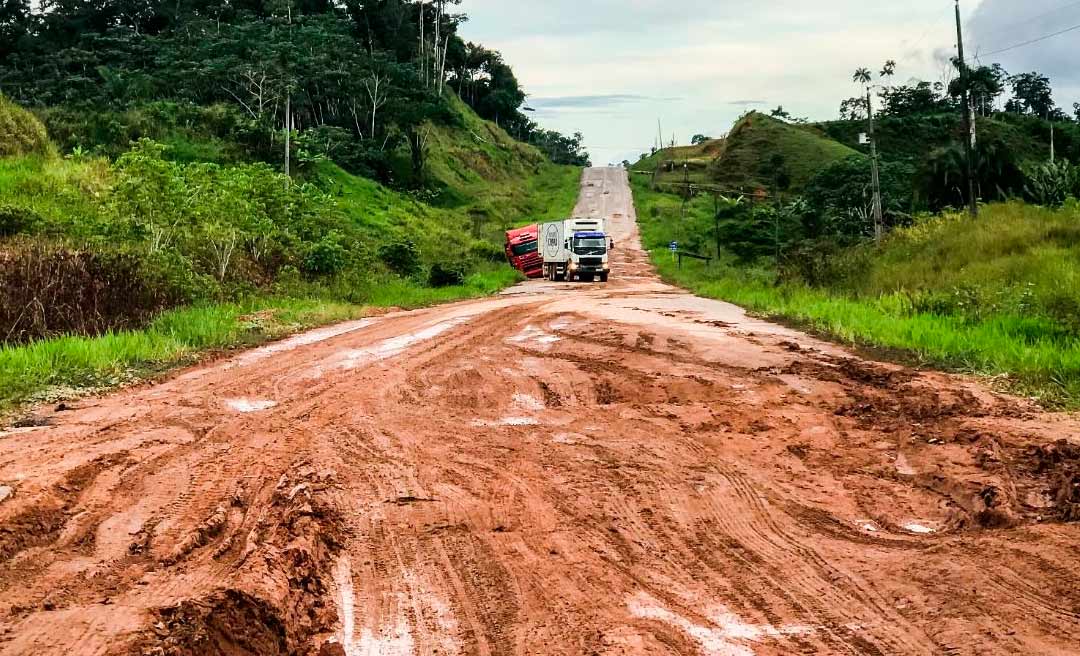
(1032, 19)
(1028, 43)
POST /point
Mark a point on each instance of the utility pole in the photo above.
(969, 119)
(875, 177)
(288, 110)
(1052, 153)
(716, 222)
(288, 131)
(686, 199)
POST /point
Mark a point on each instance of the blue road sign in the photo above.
(673, 246)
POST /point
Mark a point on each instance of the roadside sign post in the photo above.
(674, 248)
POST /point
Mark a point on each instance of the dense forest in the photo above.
(354, 80)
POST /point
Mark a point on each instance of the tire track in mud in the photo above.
(534, 475)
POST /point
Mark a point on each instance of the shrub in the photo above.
(21, 133)
(447, 274)
(326, 257)
(402, 257)
(1050, 183)
(48, 289)
(487, 252)
(15, 220)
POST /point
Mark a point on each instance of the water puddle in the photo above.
(250, 405)
(507, 421)
(903, 466)
(391, 640)
(395, 345)
(868, 525)
(914, 527)
(534, 335)
(304, 339)
(527, 402)
(727, 635)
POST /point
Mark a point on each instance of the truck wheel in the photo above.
(603, 277)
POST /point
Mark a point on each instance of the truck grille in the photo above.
(592, 261)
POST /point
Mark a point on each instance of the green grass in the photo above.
(747, 159)
(744, 160)
(64, 192)
(1016, 252)
(493, 181)
(66, 366)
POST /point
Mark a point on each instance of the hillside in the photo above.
(760, 152)
(915, 138)
(768, 153)
(171, 237)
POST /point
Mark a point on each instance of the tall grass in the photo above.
(987, 297)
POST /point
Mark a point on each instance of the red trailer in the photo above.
(522, 250)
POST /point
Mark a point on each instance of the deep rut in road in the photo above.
(574, 469)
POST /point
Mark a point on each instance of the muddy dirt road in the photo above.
(563, 469)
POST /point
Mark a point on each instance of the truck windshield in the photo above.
(524, 249)
(590, 246)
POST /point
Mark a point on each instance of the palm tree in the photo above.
(889, 69)
(862, 76)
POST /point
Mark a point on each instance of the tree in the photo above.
(862, 76)
(985, 85)
(560, 148)
(780, 113)
(912, 100)
(1032, 94)
(853, 109)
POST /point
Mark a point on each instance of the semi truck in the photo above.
(522, 250)
(575, 249)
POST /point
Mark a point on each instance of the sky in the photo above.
(611, 69)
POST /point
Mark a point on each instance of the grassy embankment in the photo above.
(71, 203)
(749, 157)
(997, 297)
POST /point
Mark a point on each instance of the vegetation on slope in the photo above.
(21, 133)
(767, 153)
(92, 251)
(760, 153)
(995, 297)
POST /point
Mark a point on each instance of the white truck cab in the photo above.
(575, 249)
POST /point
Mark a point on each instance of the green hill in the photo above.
(760, 152)
(763, 152)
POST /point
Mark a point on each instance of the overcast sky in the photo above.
(611, 68)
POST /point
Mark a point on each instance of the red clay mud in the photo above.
(614, 468)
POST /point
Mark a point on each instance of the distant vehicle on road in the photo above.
(575, 249)
(522, 250)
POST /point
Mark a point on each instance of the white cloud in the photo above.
(694, 63)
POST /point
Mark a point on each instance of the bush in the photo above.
(402, 257)
(447, 275)
(487, 252)
(1050, 184)
(326, 257)
(48, 289)
(21, 133)
(15, 220)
